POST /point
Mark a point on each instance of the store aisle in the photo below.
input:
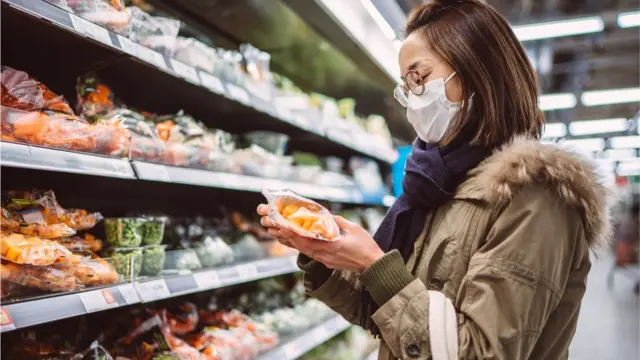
(609, 324)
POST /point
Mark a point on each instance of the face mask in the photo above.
(431, 112)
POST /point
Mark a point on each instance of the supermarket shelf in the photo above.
(174, 174)
(34, 312)
(41, 158)
(198, 92)
(301, 344)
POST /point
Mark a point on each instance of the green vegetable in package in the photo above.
(153, 258)
(126, 261)
(124, 232)
(153, 231)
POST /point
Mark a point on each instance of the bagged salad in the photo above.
(303, 216)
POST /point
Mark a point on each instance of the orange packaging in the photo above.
(33, 250)
(303, 216)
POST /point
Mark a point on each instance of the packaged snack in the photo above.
(124, 232)
(95, 98)
(80, 219)
(153, 230)
(40, 277)
(77, 244)
(301, 215)
(91, 272)
(126, 261)
(153, 258)
(19, 91)
(32, 250)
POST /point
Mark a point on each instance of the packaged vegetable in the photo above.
(126, 260)
(184, 320)
(183, 259)
(153, 258)
(303, 216)
(32, 250)
(124, 232)
(20, 91)
(155, 32)
(78, 244)
(213, 251)
(91, 272)
(95, 98)
(40, 277)
(153, 230)
(110, 14)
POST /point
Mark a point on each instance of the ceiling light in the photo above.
(557, 101)
(629, 19)
(625, 142)
(554, 29)
(613, 96)
(591, 144)
(620, 154)
(554, 130)
(590, 127)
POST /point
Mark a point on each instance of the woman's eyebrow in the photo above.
(415, 64)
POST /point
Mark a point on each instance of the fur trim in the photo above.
(572, 177)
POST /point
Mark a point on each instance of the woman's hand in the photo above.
(355, 251)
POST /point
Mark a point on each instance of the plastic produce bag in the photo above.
(155, 32)
(91, 272)
(303, 216)
(20, 91)
(153, 258)
(199, 55)
(32, 250)
(95, 98)
(212, 251)
(110, 14)
(39, 277)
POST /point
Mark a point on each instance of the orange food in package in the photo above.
(301, 215)
(32, 250)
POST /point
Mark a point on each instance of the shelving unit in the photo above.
(146, 79)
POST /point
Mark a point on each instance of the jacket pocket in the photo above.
(439, 268)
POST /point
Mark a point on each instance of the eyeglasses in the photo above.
(413, 82)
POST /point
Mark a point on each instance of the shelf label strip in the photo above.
(91, 30)
(185, 71)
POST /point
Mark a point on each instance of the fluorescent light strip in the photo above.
(625, 142)
(554, 130)
(590, 127)
(612, 96)
(379, 19)
(591, 144)
(629, 19)
(554, 29)
(557, 101)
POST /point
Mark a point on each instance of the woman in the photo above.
(486, 254)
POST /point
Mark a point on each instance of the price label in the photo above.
(129, 294)
(153, 290)
(32, 216)
(207, 279)
(157, 172)
(284, 112)
(238, 93)
(121, 167)
(247, 271)
(211, 82)
(126, 45)
(261, 91)
(98, 300)
(91, 30)
(150, 56)
(185, 71)
(6, 323)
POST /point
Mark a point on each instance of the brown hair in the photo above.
(492, 64)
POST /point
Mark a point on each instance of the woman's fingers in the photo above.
(263, 210)
(267, 222)
(343, 223)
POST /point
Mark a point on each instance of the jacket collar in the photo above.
(528, 162)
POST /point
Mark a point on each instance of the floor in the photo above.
(609, 324)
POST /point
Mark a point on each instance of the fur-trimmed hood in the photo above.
(570, 176)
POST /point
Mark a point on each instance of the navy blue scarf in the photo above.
(432, 175)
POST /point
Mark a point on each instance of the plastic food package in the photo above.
(91, 272)
(199, 55)
(39, 277)
(20, 91)
(155, 32)
(184, 259)
(212, 251)
(126, 261)
(124, 232)
(153, 259)
(301, 215)
(110, 14)
(184, 320)
(153, 230)
(63, 131)
(32, 250)
(95, 98)
(275, 143)
(80, 219)
(248, 248)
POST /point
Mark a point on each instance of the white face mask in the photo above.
(431, 112)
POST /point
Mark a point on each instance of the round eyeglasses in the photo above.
(413, 82)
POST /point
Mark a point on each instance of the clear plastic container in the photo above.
(184, 259)
(126, 261)
(153, 230)
(273, 142)
(124, 232)
(213, 251)
(153, 259)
